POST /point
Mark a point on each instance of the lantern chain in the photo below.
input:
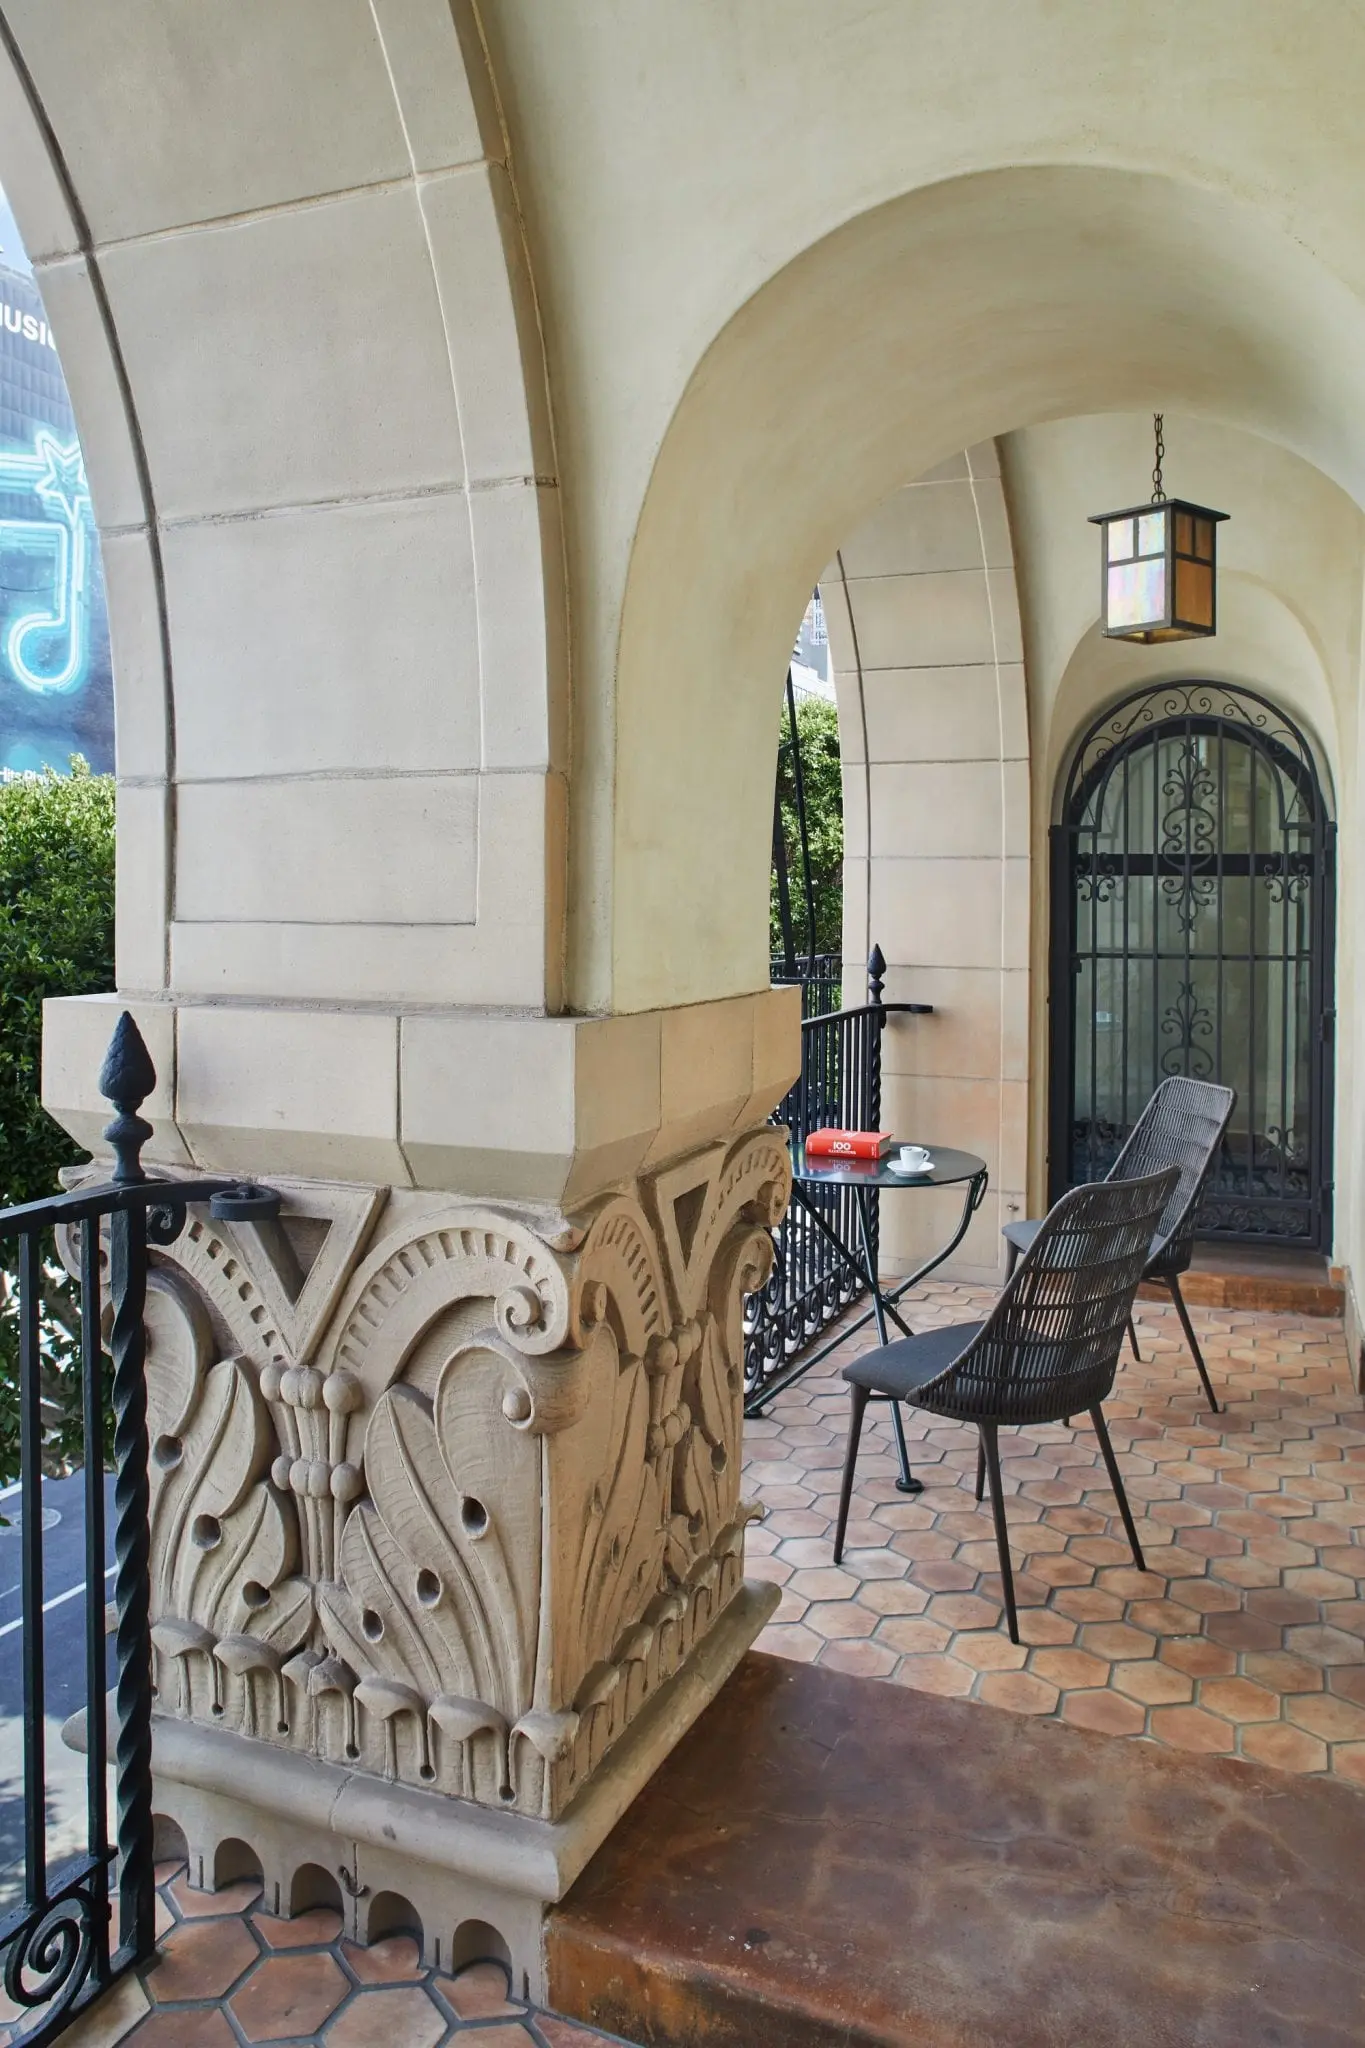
(1158, 489)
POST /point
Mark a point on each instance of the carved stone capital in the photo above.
(443, 1491)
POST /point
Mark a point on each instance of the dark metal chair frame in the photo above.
(1182, 1126)
(1049, 1348)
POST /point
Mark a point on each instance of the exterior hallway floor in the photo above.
(1244, 1637)
(227, 1975)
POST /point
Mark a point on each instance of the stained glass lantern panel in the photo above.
(1158, 571)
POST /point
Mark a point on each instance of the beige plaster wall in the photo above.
(790, 254)
(1291, 568)
(281, 253)
(924, 631)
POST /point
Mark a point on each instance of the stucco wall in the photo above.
(281, 253)
(924, 631)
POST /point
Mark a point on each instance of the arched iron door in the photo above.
(1193, 881)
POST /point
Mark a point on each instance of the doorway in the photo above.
(1193, 878)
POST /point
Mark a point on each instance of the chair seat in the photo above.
(1022, 1234)
(902, 1368)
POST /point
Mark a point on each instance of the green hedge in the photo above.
(817, 722)
(56, 939)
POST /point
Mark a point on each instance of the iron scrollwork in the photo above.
(1188, 1022)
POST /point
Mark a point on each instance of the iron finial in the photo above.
(876, 976)
(127, 1078)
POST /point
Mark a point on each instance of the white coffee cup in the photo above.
(913, 1158)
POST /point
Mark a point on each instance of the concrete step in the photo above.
(834, 1862)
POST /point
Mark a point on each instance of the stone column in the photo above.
(447, 1532)
(448, 1539)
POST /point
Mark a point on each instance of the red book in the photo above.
(831, 1144)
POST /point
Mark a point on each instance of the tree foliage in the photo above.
(817, 725)
(56, 939)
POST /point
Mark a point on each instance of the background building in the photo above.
(56, 692)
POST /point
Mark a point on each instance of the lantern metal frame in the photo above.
(1171, 625)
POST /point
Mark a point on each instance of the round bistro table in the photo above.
(947, 1168)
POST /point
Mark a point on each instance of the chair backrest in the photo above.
(1051, 1345)
(1182, 1126)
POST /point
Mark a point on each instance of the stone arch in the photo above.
(286, 273)
(924, 628)
(922, 326)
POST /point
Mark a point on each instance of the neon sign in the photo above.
(47, 649)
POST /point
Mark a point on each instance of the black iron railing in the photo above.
(820, 977)
(89, 1917)
(840, 1084)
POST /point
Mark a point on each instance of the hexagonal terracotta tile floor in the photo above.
(230, 1976)
(1246, 1634)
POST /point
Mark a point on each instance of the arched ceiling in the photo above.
(951, 314)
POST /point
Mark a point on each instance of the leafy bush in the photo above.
(817, 725)
(56, 939)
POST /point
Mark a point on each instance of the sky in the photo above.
(11, 248)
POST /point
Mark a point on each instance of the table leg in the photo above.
(976, 1194)
(869, 1264)
(907, 1483)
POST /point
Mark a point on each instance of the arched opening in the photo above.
(475, 1941)
(390, 1913)
(956, 755)
(310, 1887)
(1193, 910)
(233, 1862)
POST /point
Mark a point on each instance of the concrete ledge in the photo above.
(501, 1107)
(829, 1860)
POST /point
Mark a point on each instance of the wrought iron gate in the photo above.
(1193, 909)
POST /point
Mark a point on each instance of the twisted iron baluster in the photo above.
(127, 1079)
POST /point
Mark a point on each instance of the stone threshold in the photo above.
(827, 1861)
(1253, 1276)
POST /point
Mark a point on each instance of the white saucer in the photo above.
(911, 1172)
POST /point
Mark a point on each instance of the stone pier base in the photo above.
(476, 1882)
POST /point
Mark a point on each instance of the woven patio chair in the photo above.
(1182, 1126)
(1048, 1349)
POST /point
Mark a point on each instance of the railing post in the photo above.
(876, 977)
(127, 1079)
(55, 1948)
(31, 1567)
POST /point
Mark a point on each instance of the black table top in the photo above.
(946, 1167)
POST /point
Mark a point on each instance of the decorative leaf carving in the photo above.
(612, 1496)
(440, 1567)
(224, 1540)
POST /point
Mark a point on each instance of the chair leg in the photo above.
(1013, 1259)
(980, 1467)
(1132, 1339)
(857, 1409)
(1111, 1465)
(907, 1483)
(1178, 1298)
(990, 1444)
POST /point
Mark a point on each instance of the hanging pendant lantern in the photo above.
(1158, 566)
